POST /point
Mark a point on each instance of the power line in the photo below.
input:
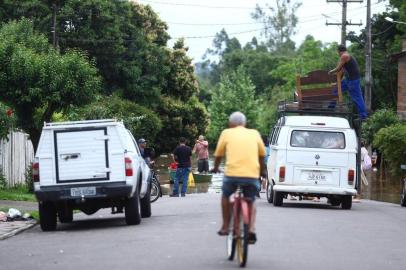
(196, 5)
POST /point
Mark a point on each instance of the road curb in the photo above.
(18, 230)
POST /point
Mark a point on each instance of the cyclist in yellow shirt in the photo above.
(244, 151)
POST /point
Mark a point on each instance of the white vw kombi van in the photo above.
(312, 156)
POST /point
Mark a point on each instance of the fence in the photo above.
(16, 155)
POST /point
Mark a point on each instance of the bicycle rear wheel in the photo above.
(155, 191)
(231, 243)
(242, 245)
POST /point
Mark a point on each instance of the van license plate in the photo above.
(83, 191)
(316, 176)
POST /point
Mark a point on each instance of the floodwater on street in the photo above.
(381, 185)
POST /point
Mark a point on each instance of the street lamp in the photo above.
(389, 19)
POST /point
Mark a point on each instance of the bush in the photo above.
(7, 120)
(380, 119)
(391, 141)
(142, 122)
(3, 182)
(28, 179)
(180, 119)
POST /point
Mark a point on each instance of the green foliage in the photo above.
(236, 92)
(3, 182)
(279, 24)
(391, 141)
(181, 81)
(37, 80)
(141, 121)
(17, 193)
(380, 119)
(385, 42)
(180, 119)
(7, 121)
(29, 179)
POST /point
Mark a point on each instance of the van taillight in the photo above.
(128, 167)
(351, 175)
(35, 172)
(281, 174)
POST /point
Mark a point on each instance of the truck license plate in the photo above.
(316, 176)
(82, 191)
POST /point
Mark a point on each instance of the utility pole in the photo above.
(368, 60)
(344, 21)
(54, 25)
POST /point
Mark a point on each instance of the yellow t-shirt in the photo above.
(242, 147)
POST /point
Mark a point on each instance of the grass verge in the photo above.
(19, 193)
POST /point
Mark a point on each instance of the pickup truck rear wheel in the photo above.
(65, 215)
(146, 203)
(47, 216)
(132, 210)
(277, 198)
(346, 202)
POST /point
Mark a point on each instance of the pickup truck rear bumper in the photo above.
(103, 190)
(315, 190)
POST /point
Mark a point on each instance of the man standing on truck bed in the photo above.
(352, 79)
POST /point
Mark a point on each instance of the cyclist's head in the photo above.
(237, 119)
(201, 138)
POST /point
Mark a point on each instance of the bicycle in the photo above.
(237, 239)
(156, 191)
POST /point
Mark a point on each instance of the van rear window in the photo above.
(317, 139)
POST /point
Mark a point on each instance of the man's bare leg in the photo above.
(225, 206)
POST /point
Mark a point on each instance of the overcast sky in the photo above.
(199, 20)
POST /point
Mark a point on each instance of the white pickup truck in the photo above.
(89, 165)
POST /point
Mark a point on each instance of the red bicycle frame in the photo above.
(242, 205)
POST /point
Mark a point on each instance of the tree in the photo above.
(380, 119)
(126, 42)
(38, 81)
(385, 42)
(279, 24)
(391, 141)
(235, 92)
(142, 122)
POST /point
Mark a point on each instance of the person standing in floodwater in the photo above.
(201, 149)
(183, 156)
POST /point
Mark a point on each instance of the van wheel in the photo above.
(47, 216)
(65, 215)
(269, 192)
(146, 203)
(277, 198)
(403, 199)
(132, 210)
(346, 202)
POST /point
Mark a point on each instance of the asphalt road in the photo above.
(181, 235)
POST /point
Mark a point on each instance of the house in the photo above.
(401, 59)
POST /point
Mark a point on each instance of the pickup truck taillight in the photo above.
(282, 174)
(35, 172)
(351, 175)
(128, 167)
